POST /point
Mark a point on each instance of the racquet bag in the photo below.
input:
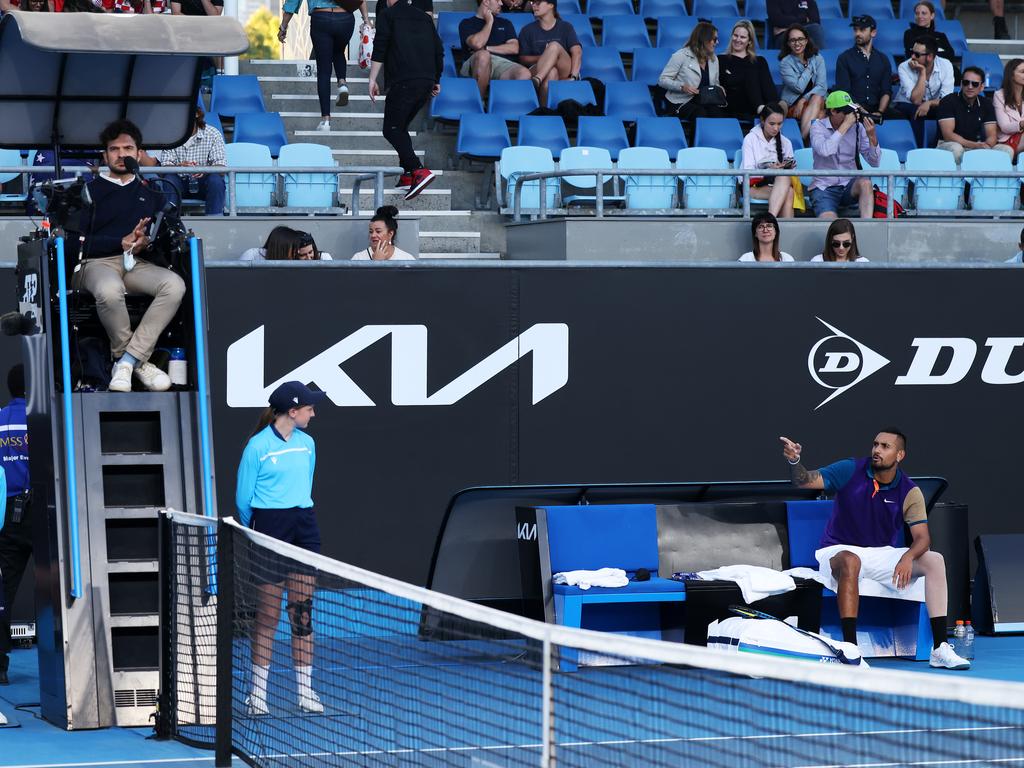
(755, 632)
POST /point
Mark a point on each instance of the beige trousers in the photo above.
(958, 149)
(106, 279)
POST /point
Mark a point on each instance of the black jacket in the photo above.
(114, 212)
(747, 84)
(915, 32)
(783, 13)
(407, 45)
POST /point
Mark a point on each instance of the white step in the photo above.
(313, 97)
(375, 134)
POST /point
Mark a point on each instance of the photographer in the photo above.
(836, 140)
(114, 260)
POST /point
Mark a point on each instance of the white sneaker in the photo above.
(342, 95)
(121, 378)
(324, 126)
(945, 657)
(310, 702)
(256, 707)
(153, 378)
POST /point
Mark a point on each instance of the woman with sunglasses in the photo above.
(804, 79)
(840, 243)
(764, 234)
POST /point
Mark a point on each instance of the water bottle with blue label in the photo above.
(177, 366)
(968, 650)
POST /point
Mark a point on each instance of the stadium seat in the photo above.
(934, 194)
(598, 9)
(837, 35)
(931, 134)
(648, 64)
(308, 190)
(897, 135)
(448, 65)
(711, 8)
(724, 25)
(674, 31)
(805, 162)
(519, 161)
(955, 33)
(830, 9)
(628, 101)
(756, 10)
(594, 158)
(567, 6)
(889, 161)
(605, 132)
(261, 128)
(879, 9)
(774, 68)
(989, 194)
(831, 56)
(907, 10)
(522, 20)
(647, 192)
(661, 132)
(720, 132)
(584, 31)
(459, 96)
(511, 99)
(990, 63)
(482, 137)
(890, 37)
(13, 158)
(705, 192)
(448, 27)
(791, 130)
(624, 33)
(213, 121)
(235, 94)
(546, 131)
(560, 90)
(252, 190)
(659, 9)
(604, 64)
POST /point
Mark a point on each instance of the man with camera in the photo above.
(837, 139)
(115, 258)
(967, 120)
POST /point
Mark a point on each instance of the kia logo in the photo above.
(838, 362)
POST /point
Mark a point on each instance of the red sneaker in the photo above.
(421, 178)
(404, 181)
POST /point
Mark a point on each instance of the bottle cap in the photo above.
(968, 622)
(959, 622)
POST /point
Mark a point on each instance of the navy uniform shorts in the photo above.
(296, 526)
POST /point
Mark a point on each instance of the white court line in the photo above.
(100, 763)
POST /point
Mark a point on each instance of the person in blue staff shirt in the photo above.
(274, 496)
(15, 525)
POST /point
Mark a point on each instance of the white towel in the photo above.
(602, 577)
(755, 581)
(876, 567)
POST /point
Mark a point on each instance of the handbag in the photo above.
(881, 203)
(712, 96)
(1013, 141)
(366, 34)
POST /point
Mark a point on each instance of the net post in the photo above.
(165, 718)
(225, 632)
(547, 757)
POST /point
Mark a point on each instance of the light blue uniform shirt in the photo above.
(292, 6)
(275, 473)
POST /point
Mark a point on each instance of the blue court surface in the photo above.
(628, 716)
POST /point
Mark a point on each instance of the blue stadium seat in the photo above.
(931, 134)
(774, 70)
(955, 33)
(648, 192)
(710, 8)
(897, 135)
(597, 9)
(907, 10)
(522, 20)
(879, 9)
(252, 190)
(719, 132)
(990, 63)
(604, 64)
(605, 132)
(448, 64)
(560, 90)
(213, 121)
(830, 9)
(235, 94)
(511, 99)
(791, 130)
(705, 192)
(838, 35)
(674, 31)
(805, 162)
(594, 158)
(648, 64)
(482, 137)
(724, 25)
(624, 33)
(934, 194)
(661, 132)
(659, 9)
(756, 10)
(261, 128)
(448, 27)
(628, 101)
(519, 161)
(830, 55)
(890, 37)
(565, 6)
(584, 31)
(13, 158)
(309, 190)
(546, 131)
(459, 96)
(990, 194)
(889, 161)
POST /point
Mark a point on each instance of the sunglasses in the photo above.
(971, 83)
(918, 54)
(842, 243)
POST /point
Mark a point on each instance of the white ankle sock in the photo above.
(303, 680)
(259, 681)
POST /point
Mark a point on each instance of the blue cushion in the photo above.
(656, 584)
(603, 536)
(805, 521)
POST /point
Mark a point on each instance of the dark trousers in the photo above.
(211, 189)
(15, 550)
(330, 34)
(405, 99)
(908, 110)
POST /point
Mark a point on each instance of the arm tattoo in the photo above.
(801, 476)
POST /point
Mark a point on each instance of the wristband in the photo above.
(793, 463)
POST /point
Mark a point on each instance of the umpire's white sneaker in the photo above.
(256, 707)
(121, 378)
(945, 657)
(310, 702)
(153, 378)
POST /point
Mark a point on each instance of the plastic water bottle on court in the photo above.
(959, 637)
(968, 651)
(177, 366)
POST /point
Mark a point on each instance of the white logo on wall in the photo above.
(526, 531)
(838, 361)
(547, 342)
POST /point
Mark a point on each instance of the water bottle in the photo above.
(193, 184)
(177, 366)
(959, 637)
(968, 652)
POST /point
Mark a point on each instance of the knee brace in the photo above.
(301, 614)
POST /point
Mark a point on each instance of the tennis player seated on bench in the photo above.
(864, 535)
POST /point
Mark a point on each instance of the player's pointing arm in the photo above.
(800, 475)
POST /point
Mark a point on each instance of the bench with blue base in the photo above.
(607, 536)
(886, 626)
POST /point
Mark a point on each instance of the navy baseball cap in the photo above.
(863, 22)
(294, 394)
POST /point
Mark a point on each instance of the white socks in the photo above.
(303, 681)
(259, 682)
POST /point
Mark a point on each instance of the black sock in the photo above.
(849, 626)
(938, 631)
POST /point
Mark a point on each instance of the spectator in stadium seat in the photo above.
(967, 120)
(382, 234)
(765, 147)
(836, 141)
(550, 48)
(197, 7)
(1007, 104)
(691, 72)
(1018, 258)
(804, 79)
(840, 243)
(924, 24)
(924, 80)
(744, 75)
(866, 73)
(764, 235)
(114, 260)
(783, 14)
(204, 147)
(286, 244)
(490, 47)
(864, 536)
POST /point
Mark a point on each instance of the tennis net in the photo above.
(410, 677)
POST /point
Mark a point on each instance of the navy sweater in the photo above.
(114, 213)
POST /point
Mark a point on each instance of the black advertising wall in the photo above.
(673, 374)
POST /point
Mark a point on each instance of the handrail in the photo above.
(203, 395)
(744, 175)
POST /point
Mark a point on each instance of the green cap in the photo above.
(838, 100)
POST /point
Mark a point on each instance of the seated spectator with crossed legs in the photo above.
(490, 46)
(550, 48)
